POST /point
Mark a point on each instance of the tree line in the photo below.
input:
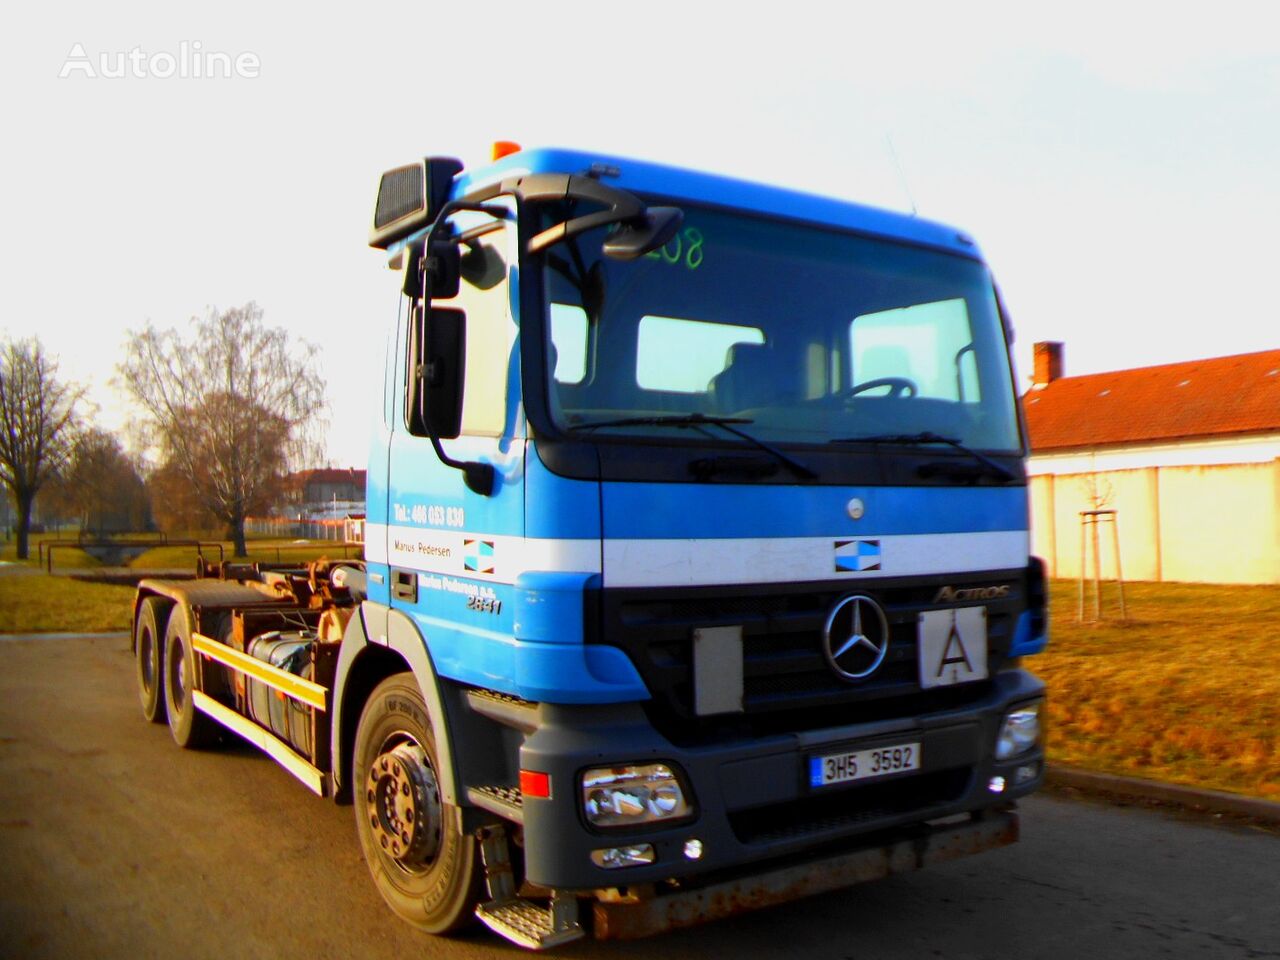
(227, 408)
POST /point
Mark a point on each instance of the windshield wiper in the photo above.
(927, 436)
(699, 420)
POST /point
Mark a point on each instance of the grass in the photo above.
(39, 603)
(1187, 690)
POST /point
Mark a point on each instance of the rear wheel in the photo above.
(148, 644)
(191, 729)
(422, 863)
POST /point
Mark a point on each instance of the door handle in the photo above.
(404, 585)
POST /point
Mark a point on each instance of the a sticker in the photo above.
(857, 556)
(953, 646)
(477, 556)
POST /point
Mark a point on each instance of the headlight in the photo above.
(1019, 731)
(632, 795)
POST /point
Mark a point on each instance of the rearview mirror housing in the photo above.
(635, 238)
(437, 367)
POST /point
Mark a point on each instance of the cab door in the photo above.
(453, 552)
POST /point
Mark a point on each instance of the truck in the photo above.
(696, 571)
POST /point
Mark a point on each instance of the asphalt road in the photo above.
(113, 843)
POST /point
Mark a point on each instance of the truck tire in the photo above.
(422, 863)
(148, 646)
(191, 729)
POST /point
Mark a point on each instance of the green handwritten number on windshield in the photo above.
(693, 254)
(685, 247)
(669, 256)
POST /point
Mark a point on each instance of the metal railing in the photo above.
(127, 544)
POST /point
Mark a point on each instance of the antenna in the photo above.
(897, 165)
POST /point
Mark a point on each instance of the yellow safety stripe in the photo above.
(312, 694)
(277, 749)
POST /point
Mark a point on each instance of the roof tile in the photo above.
(1196, 398)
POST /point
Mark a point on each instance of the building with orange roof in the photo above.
(1187, 454)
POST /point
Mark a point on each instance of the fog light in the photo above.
(996, 784)
(693, 849)
(1019, 731)
(613, 858)
(631, 795)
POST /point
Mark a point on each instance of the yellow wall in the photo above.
(1208, 524)
(1218, 524)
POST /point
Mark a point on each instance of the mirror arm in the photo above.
(571, 228)
(479, 477)
(620, 206)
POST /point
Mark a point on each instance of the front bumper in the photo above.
(628, 916)
(753, 799)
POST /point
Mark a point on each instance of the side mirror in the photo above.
(443, 270)
(437, 367)
(433, 401)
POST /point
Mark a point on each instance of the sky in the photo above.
(1119, 164)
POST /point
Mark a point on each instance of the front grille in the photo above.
(787, 683)
(848, 809)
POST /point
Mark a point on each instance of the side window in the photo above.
(929, 344)
(488, 336)
(483, 295)
(682, 356)
(569, 338)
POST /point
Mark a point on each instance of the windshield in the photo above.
(810, 336)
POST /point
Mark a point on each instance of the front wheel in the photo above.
(422, 863)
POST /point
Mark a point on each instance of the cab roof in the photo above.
(677, 183)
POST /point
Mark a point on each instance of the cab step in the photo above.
(506, 802)
(521, 921)
(505, 709)
(530, 925)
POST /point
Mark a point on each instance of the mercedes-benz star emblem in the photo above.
(855, 638)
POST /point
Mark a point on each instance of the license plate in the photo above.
(863, 764)
(953, 646)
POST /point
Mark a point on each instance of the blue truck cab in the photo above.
(696, 568)
(750, 545)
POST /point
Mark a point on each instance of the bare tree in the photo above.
(37, 424)
(231, 408)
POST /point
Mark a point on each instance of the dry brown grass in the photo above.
(39, 603)
(1186, 691)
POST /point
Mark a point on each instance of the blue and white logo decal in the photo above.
(477, 556)
(857, 556)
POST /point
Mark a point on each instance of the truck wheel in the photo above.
(191, 729)
(148, 643)
(422, 863)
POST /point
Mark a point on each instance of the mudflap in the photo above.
(626, 918)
